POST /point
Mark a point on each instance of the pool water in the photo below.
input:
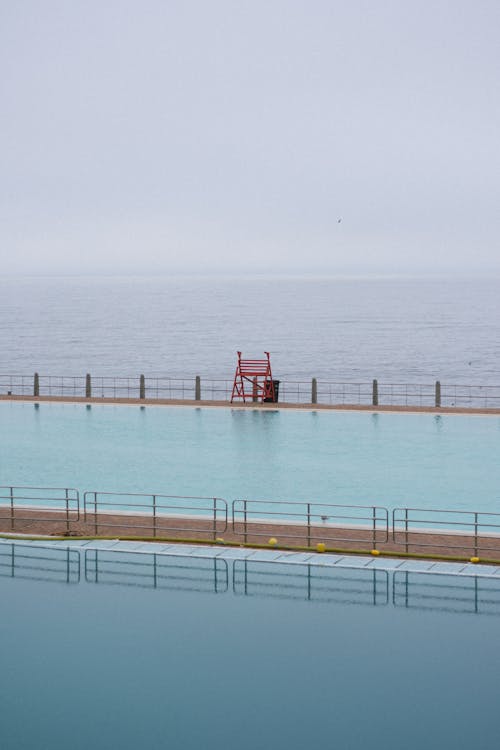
(107, 650)
(419, 460)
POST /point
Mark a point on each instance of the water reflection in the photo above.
(439, 422)
(446, 593)
(54, 565)
(174, 572)
(424, 591)
(310, 582)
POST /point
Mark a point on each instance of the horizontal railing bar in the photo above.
(443, 525)
(313, 504)
(118, 505)
(157, 526)
(151, 494)
(443, 510)
(300, 515)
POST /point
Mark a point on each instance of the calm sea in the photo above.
(397, 330)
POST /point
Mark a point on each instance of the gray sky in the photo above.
(182, 136)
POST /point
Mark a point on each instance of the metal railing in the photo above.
(471, 531)
(294, 523)
(39, 504)
(155, 512)
(311, 521)
(446, 593)
(326, 392)
(149, 570)
(39, 563)
(310, 582)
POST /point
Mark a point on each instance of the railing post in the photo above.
(475, 536)
(314, 391)
(142, 387)
(67, 511)
(254, 390)
(154, 515)
(197, 388)
(308, 524)
(36, 385)
(406, 530)
(245, 519)
(11, 508)
(438, 394)
(88, 386)
(375, 393)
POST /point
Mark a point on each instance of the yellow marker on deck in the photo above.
(474, 559)
(375, 552)
(321, 546)
(219, 540)
(273, 541)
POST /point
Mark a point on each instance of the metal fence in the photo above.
(310, 522)
(372, 393)
(156, 513)
(469, 531)
(39, 504)
(367, 527)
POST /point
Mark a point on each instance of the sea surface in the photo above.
(351, 330)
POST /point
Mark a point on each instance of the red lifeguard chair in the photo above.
(253, 380)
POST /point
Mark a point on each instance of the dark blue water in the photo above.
(96, 665)
(397, 330)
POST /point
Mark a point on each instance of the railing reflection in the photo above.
(175, 572)
(422, 591)
(311, 582)
(446, 593)
(37, 563)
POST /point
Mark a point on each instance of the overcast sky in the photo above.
(160, 136)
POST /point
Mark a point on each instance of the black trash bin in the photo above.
(276, 386)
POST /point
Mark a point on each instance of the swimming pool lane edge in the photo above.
(260, 555)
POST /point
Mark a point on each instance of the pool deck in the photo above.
(258, 555)
(227, 404)
(293, 537)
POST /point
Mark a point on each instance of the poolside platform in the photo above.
(262, 406)
(359, 562)
(341, 539)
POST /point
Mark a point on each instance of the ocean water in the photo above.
(396, 330)
(392, 460)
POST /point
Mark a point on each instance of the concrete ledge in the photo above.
(289, 558)
(227, 404)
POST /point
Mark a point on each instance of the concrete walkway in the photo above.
(253, 555)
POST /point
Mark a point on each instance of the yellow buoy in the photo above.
(375, 552)
(321, 546)
(474, 559)
(273, 541)
(219, 540)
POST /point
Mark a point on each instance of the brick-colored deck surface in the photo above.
(240, 405)
(55, 523)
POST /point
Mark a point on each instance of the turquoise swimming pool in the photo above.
(112, 649)
(420, 460)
